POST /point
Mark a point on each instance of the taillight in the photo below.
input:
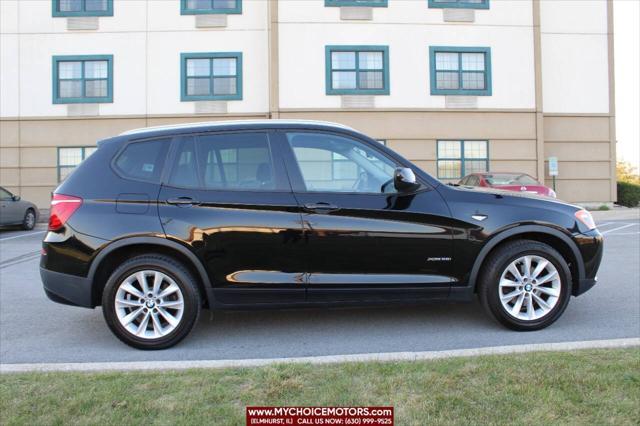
(586, 218)
(62, 207)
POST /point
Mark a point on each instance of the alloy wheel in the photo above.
(529, 288)
(149, 304)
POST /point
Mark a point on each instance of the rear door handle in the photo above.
(183, 201)
(321, 207)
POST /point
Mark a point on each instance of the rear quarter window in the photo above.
(143, 160)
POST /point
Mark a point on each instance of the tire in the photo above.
(546, 304)
(29, 220)
(169, 317)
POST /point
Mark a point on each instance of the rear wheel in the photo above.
(29, 221)
(525, 285)
(151, 302)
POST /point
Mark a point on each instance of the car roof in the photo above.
(234, 125)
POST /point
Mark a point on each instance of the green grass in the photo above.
(580, 387)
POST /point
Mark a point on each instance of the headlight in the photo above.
(586, 218)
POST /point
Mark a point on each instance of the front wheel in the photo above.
(525, 285)
(151, 302)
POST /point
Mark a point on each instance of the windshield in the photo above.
(510, 179)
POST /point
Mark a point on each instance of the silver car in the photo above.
(15, 211)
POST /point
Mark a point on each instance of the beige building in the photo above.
(454, 85)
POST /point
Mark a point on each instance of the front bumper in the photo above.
(67, 289)
(584, 285)
(591, 246)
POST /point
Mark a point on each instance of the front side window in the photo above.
(331, 163)
(82, 79)
(143, 160)
(352, 3)
(205, 7)
(211, 76)
(82, 8)
(70, 157)
(460, 4)
(460, 158)
(460, 71)
(359, 70)
(235, 161)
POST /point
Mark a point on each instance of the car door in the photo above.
(10, 212)
(227, 196)
(363, 240)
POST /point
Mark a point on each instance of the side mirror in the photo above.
(404, 180)
(16, 198)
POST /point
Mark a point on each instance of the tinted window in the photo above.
(331, 163)
(4, 194)
(143, 160)
(224, 161)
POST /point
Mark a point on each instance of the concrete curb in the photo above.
(330, 359)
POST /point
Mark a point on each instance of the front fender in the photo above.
(501, 236)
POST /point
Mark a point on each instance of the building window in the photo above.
(82, 79)
(460, 4)
(211, 76)
(460, 158)
(357, 70)
(82, 8)
(351, 3)
(70, 158)
(207, 7)
(460, 70)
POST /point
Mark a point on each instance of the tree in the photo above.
(627, 173)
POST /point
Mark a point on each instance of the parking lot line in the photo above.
(618, 228)
(22, 236)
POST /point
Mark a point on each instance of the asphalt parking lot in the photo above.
(34, 330)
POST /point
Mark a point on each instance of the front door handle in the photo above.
(320, 207)
(183, 201)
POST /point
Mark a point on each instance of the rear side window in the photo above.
(143, 160)
(238, 161)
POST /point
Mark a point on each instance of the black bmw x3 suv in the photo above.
(161, 222)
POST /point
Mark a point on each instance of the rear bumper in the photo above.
(66, 289)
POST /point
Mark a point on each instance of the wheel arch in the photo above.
(551, 236)
(116, 252)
